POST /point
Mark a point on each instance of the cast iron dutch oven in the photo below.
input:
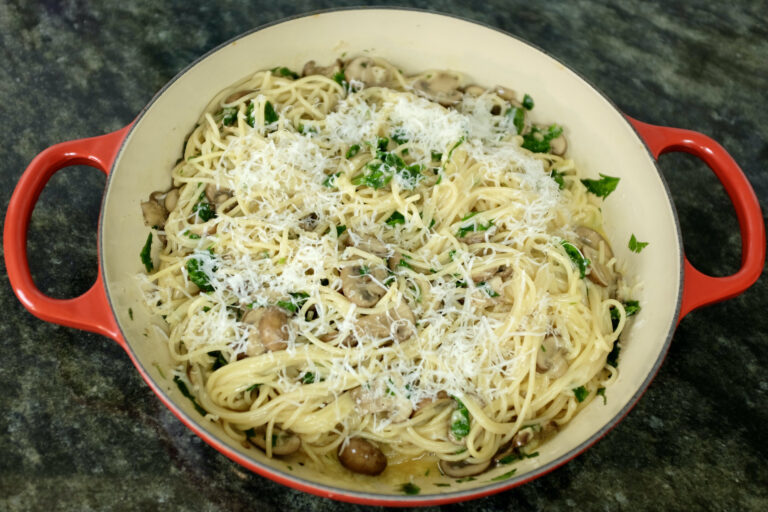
(137, 160)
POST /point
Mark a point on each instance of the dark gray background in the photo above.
(80, 430)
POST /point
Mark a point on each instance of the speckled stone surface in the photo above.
(79, 429)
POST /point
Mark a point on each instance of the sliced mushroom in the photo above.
(309, 222)
(362, 456)
(394, 260)
(236, 96)
(550, 360)
(362, 285)
(474, 237)
(474, 90)
(441, 395)
(504, 93)
(461, 469)
(365, 69)
(558, 146)
(171, 199)
(271, 330)
(311, 68)
(486, 275)
(522, 438)
(283, 443)
(380, 326)
(154, 213)
(440, 86)
(589, 241)
(217, 195)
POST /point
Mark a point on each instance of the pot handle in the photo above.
(90, 311)
(700, 289)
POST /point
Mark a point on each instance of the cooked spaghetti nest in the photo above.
(381, 266)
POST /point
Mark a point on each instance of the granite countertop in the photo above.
(80, 430)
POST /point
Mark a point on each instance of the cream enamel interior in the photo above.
(600, 140)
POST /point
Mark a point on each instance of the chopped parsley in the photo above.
(197, 276)
(460, 420)
(450, 153)
(304, 129)
(395, 219)
(601, 392)
(631, 307)
(558, 177)
(330, 180)
(193, 236)
(218, 359)
(340, 229)
(487, 289)
(613, 356)
(130, 313)
(466, 479)
(229, 116)
(382, 143)
(439, 484)
(635, 245)
(340, 79)
(249, 117)
(474, 226)
(517, 455)
(185, 391)
(527, 101)
(504, 476)
(410, 488)
(580, 393)
(284, 71)
(270, 116)
(576, 257)
(204, 210)
(602, 187)
(308, 378)
(145, 256)
(379, 172)
(295, 303)
(353, 150)
(436, 156)
(399, 136)
(537, 140)
(517, 115)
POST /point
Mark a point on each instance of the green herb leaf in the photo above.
(466, 479)
(602, 187)
(204, 210)
(450, 153)
(518, 118)
(308, 378)
(283, 71)
(613, 356)
(504, 476)
(636, 246)
(460, 420)
(193, 236)
(295, 303)
(558, 177)
(340, 230)
(399, 136)
(395, 219)
(436, 156)
(601, 392)
(537, 140)
(353, 150)
(527, 102)
(487, 289)
(410, 488)
(303, 129)
(330, 181)
(439, 484)
(145, 255)
(580, 393)
(376, 177)
(270, 116)
(517, 455)
(576, 257)
(218, 359)
(382, 143)
(249, 117)
(340, 79)
(632, 307)
(130, 313)
(185, 391)
(254, 387)
(197, 276)
(229, 116)
(474, 226)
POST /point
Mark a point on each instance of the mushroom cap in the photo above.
(363, 287)
(439, 86)
(550, 360)
(460, 469)
(283, 443)
(589, 241)
(362, 456)
(366, 70)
